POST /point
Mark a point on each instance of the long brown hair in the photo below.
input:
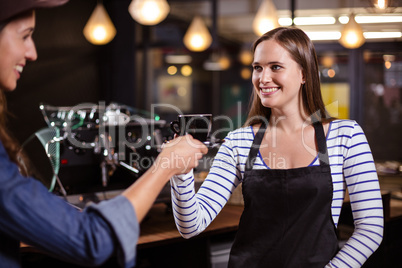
(11, 145)
(302, 51)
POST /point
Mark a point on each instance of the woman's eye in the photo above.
(256, 68)
(27, 36)
(276, 67)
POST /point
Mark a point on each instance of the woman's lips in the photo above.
(18, 69)
(269, 90)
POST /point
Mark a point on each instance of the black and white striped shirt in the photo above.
(352, 170)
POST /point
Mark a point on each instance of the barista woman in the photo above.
(295, 165)
(29, 213)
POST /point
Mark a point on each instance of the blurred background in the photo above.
(158, 59)
(144, 65)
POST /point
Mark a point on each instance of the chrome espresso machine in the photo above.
(93, 150)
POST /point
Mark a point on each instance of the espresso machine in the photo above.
(99, 148)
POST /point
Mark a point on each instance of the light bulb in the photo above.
(388, 64)
(99, 33)
(266, 18)
(186, 70)
(381, 4)
(246, 57)
(245, 73)
(149, 12)
(99, 29)
(352, 34)
(224, 62)
(197, 37)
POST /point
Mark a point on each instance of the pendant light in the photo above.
(352, 34)
(149, 12)
(99, 29)
(266, 18)
(245, 56)
(197, 37)
(381, 4)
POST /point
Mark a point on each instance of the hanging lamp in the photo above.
(99, 29)
(266, 18)
(381, 4)
(246, 57)
(352, 34)
(197, 37)
(149, 12)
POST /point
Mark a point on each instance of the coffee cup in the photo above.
(197, 125)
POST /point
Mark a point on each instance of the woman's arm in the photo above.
(29, 213)
(365, 197)
(178, 156)
(193, 212)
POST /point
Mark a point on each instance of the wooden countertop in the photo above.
(159, 227)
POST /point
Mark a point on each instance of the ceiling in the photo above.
(235, 17)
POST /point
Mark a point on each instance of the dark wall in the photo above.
(69, 69)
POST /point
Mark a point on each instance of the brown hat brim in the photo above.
(11, 8)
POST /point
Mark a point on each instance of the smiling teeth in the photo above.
(269, 90)
(19, 68)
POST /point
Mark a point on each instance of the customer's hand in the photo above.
(180, 155)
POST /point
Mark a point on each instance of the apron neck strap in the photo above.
(252, 155)
(320, 138)
(321, 143)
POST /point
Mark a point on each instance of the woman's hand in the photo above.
(180, 155)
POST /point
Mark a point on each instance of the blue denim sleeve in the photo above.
(125, 226)
(29, 213)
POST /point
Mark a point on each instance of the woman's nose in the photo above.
(31, 53)
(266, 76)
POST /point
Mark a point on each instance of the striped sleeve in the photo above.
(193, 212)
(365, 197)
(336, 140)
(352, 168)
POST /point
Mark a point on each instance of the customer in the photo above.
(29, 213)
(295, 164)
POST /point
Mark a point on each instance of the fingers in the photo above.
(203, 148)
(188, 167)
(193, 143)
(197, 144)
(181, 154)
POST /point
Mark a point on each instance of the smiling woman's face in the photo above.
(16, 48)
(277, 78)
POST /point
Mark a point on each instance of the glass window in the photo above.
(383, 103)
(335, 86)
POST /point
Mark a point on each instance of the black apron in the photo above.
(287, 219)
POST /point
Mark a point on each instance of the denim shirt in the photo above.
(29, 213)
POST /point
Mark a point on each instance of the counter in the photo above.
(158, 228)
(160, 244)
